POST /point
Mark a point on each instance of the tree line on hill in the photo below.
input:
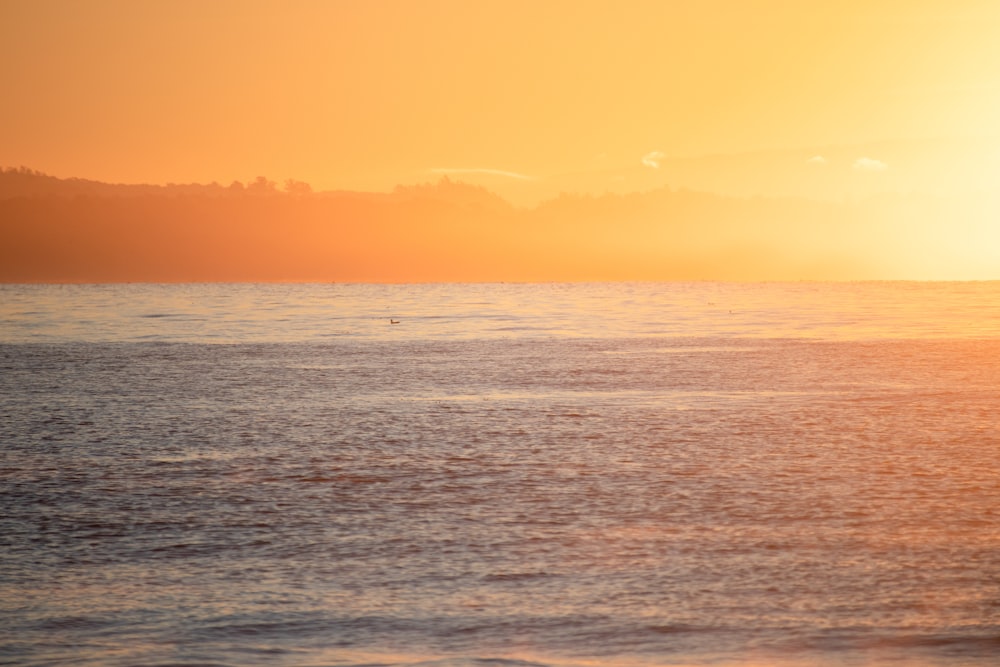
(75, 230)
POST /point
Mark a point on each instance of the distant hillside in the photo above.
(74, 230)
(26, 182)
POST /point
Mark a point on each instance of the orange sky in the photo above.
(368, 93)
(542, 95)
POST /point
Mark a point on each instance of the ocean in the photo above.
(500, 475)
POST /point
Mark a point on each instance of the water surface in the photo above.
(637, 474)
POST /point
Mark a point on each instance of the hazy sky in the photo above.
(368, 93)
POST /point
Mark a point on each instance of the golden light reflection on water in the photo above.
(564, 500)
(223, 313)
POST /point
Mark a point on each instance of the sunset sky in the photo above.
(542, 95)
(366, 94)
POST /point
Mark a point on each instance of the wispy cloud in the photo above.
(481, 171)
(817, 160)
(652, 159)
(869, 164)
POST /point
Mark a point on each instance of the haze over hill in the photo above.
(943, 167)
(76, 230)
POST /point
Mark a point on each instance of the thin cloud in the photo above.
(482, 171)
(652, 159)
(869, 164)
(817, 160)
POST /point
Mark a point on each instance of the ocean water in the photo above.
(512, 475)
